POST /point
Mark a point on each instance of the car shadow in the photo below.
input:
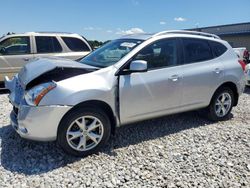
(247, 90)
(4, 91)
(28, 157)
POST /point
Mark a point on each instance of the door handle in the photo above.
(174, 78)
(217, 70)
(26, 59)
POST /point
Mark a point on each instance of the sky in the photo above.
(109, 19)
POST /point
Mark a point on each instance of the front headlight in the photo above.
(35, 94)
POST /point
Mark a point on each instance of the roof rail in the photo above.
(52, 32)
(186, 32)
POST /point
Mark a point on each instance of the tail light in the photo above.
(243, 65)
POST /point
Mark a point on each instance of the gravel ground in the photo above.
(182, 150)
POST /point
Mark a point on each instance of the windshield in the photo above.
(111, 52)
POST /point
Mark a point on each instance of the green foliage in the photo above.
(96, 44)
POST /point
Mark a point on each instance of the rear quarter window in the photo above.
(218, 48)
(196, 50)
(75, 44)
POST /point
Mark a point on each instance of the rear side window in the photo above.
(47, 45)
(218, 48)
(75, 44)
(196, 50)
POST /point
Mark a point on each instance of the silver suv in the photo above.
(16, 50)
(130, 79)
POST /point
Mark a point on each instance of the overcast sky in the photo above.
(108, 19)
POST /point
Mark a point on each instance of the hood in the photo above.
(54, 67)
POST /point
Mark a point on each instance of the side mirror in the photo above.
(135, 66)
(138, 66)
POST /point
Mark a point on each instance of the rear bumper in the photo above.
(241, 84)
(248, 78)
(38, 123)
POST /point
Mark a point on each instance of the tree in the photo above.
(96, 44)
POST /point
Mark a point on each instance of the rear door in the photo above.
(15, 52)
(201, 73)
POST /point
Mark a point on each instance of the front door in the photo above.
(15, 52)
(155, 92)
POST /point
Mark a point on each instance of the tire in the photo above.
(214, 108)
(82, 139)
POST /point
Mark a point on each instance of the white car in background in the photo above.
(242, 53)
(16, 50)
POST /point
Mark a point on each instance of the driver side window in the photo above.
(15, 46)
(159, 54)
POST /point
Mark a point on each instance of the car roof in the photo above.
(43, 34)
(142, 36)
(183, 33)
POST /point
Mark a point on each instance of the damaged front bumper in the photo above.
(38, 123)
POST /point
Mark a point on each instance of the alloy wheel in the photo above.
(223, 104)
(85, 133)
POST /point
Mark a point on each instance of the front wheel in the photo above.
(221, 104)
(84, 131)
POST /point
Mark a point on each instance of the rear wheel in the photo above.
(221, 104)
(84, 131)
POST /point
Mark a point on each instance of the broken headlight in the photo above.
(35, 94)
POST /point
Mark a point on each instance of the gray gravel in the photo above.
(182, 150)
